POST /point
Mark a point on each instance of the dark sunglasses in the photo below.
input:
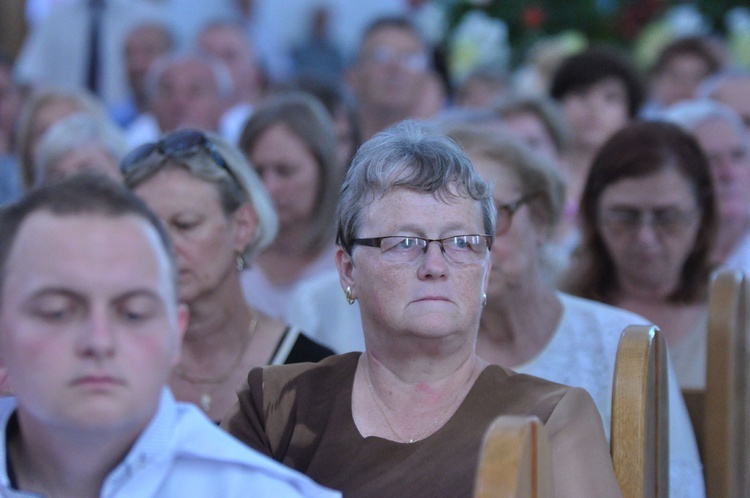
(179, 143)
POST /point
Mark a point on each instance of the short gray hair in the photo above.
(689, 114)
(545, 109)
(221, 74)
(76, 131)
(248, 187)
(81, 99)
(709, 86)
(536, 173)
(408, 156)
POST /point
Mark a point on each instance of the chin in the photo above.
(435, 325)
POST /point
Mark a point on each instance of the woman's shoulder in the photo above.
(332, 369)
(521, 394)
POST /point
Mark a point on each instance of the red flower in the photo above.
(533, 17)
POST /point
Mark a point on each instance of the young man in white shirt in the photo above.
(90, 329)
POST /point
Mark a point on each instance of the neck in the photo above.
(218, 321)
(142, 102)
(676, 320)
(70, 464)
(288, 240)
(635, 292)
(517, 323)
(415, 359)
(419, 383)
(285, 261)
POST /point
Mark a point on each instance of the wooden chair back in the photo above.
(725, 412)
(640, 414)
(515, 461)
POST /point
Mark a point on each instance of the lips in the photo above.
(433, 298)
(97, 381)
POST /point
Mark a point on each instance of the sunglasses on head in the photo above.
(177, 144)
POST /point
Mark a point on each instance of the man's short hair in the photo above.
(82, 194)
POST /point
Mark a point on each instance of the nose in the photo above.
(97, 337)
(272, 182)
(433, 264)
(646, 231)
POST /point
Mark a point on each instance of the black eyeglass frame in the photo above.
(511, 208)
(377, 241)
(177, 144)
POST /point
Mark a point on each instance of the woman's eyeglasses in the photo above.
(667, 220)
(461, 249)
(180, 143)
(505, 213)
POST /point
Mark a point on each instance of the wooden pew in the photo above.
(640, 414)
(515, 461)
(722, 419)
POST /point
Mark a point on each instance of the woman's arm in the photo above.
(581, 463)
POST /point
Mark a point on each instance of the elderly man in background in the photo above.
(228, 42)
(391, 74)
(731, 88)
(722, 136)
(144, 44)
(186, 90)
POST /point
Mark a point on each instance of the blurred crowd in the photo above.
(637, 179)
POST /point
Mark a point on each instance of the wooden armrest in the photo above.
(725, 406)
(515, 460)
(640, 414)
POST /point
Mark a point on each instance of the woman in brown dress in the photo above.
(407, 416)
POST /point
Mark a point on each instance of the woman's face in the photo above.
(729, 158)
(649, 226)
(515, 253)
(597, 111)
(206, 240)
(679, 79)
(431, 296)
(289, 171)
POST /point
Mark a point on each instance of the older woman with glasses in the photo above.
(219, 215)
(407, 416)
(531, 327)
(648, 222)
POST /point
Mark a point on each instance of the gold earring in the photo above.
(484, 299)
(240, 261)
(349, 297)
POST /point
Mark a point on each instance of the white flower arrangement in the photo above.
(477, 40)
